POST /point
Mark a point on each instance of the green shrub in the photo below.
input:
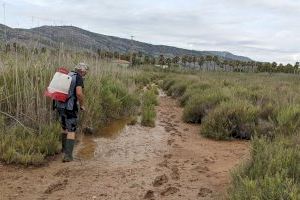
(200, 104)
(231, 119)
(149, 101)
(20, 146)
(177, 89)
(288, 119)
(167, 84)
(272, 173)
(142, 79)
(110, 101)
(192, 90)
(148, 115)
(150, 98)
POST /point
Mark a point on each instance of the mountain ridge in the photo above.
(75, 38)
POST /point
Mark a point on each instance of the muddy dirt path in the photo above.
(170, 161)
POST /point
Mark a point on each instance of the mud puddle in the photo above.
(89, 143)
(170, 162)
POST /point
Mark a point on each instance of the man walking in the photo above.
(68, 110)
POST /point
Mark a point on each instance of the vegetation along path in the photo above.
(170, 161)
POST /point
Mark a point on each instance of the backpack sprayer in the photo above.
(59, 86)
(59, 90)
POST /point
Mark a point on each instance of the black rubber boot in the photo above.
(68, 157)
(63, 142)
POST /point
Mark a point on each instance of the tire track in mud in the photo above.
(170, 161)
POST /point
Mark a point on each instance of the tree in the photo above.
(194, 60)
(274, 67)
(296, 67)
(215, 60)
(146, 60)
(169, 61)
(175, 60)
(99, 52)
(201, 61)
(116, 55)
(184, 60)
(209, 60)
(161, 60)
(190, 60)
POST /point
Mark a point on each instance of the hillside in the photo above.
(78, 39)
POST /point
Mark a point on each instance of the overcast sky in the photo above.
(264, 30)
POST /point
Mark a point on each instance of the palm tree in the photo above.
(194, 60)
(146, 60)
(208, 59)
(296, 67)
(190, 60)
(169, 61)
(184, 60)
(176, 59)
(161, 60)
(201, 61)
(215, 59)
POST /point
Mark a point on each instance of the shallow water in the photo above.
(88, 143)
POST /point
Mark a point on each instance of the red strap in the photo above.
(63, 70)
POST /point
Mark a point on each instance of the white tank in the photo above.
(59, 86)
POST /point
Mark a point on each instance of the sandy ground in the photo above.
(171, 161)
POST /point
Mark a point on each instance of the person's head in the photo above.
(82, 69)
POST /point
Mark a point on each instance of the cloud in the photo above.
(265, 30)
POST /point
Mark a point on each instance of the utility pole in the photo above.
(131, 49)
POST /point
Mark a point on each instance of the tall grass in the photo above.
(149, 101)
(249, 106)
(109, 94)
(273, 172)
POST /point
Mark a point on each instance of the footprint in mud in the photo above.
(171, 141)
(149, 195)
(56, 187)
(175, 173)
(194, 180)
(163, 164)
(204, 192)
(168, 156)
(168, 129)
(160, 180)
(201, 169)
(64, 172)
(177, 146)
(179, 134)
(209, 160)
(173, 134)
(173, 116)
(169, 191)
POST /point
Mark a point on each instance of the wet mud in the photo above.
(170, 161)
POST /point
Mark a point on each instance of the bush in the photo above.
(110, 101)
(168, 83)
(177, 89)
(288, 119)
(20, 146)
(192, 90)
(142, 79)
(200, 104)
(148, 115)
(233, 119)
(149, 100)
(273, 172)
